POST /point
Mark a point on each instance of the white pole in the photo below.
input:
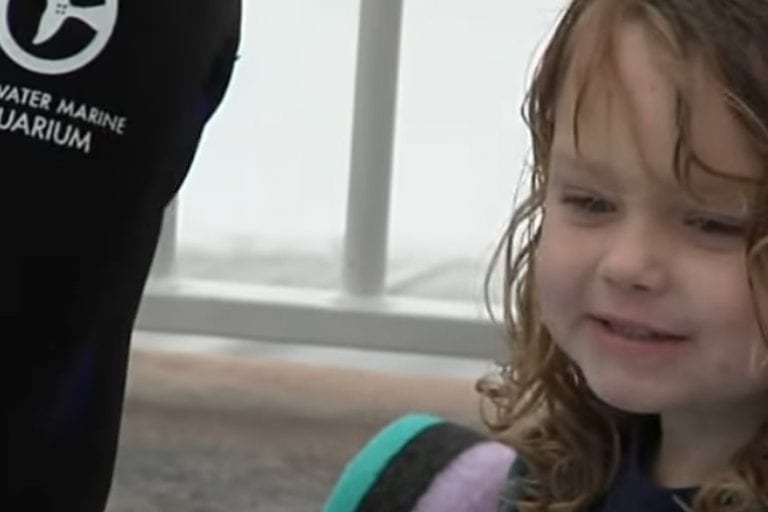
(165, 254)
(365, 256)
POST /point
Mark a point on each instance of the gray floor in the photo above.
(229, 431)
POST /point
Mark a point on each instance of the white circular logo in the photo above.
(101, 18)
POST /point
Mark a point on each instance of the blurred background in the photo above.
(270, 344)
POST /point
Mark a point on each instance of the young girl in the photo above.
(636, 292)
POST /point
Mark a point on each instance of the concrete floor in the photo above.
(210, 432)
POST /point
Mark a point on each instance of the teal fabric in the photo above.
(363, 469)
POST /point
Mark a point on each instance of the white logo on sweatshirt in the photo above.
(101, 18)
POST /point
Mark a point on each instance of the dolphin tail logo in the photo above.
(58, 11)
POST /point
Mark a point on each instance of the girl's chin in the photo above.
(625, 397)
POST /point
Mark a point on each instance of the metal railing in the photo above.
(360, 314)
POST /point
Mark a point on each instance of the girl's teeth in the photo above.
(635, 332)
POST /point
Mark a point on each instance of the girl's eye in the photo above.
(588, 204)
(716, 227)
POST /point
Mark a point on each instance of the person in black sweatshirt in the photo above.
(102, 104)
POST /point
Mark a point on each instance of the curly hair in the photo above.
(540, 403)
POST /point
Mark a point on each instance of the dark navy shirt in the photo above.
(102, 105)
(633, 490)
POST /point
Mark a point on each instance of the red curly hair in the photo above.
(541, 405)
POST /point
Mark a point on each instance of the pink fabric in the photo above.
(471, 483)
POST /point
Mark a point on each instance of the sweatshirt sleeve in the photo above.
(422, 463)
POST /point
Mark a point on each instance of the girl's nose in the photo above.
(632, 259)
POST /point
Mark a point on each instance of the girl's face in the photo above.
(641, 284)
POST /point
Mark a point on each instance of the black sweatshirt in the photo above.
(102, 103)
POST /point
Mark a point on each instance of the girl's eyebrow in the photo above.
(563, 163)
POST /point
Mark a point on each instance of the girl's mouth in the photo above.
(639, 333)
(635, 331)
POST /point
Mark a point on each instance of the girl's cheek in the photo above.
(547, 282)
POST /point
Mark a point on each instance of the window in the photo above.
(266, 199)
